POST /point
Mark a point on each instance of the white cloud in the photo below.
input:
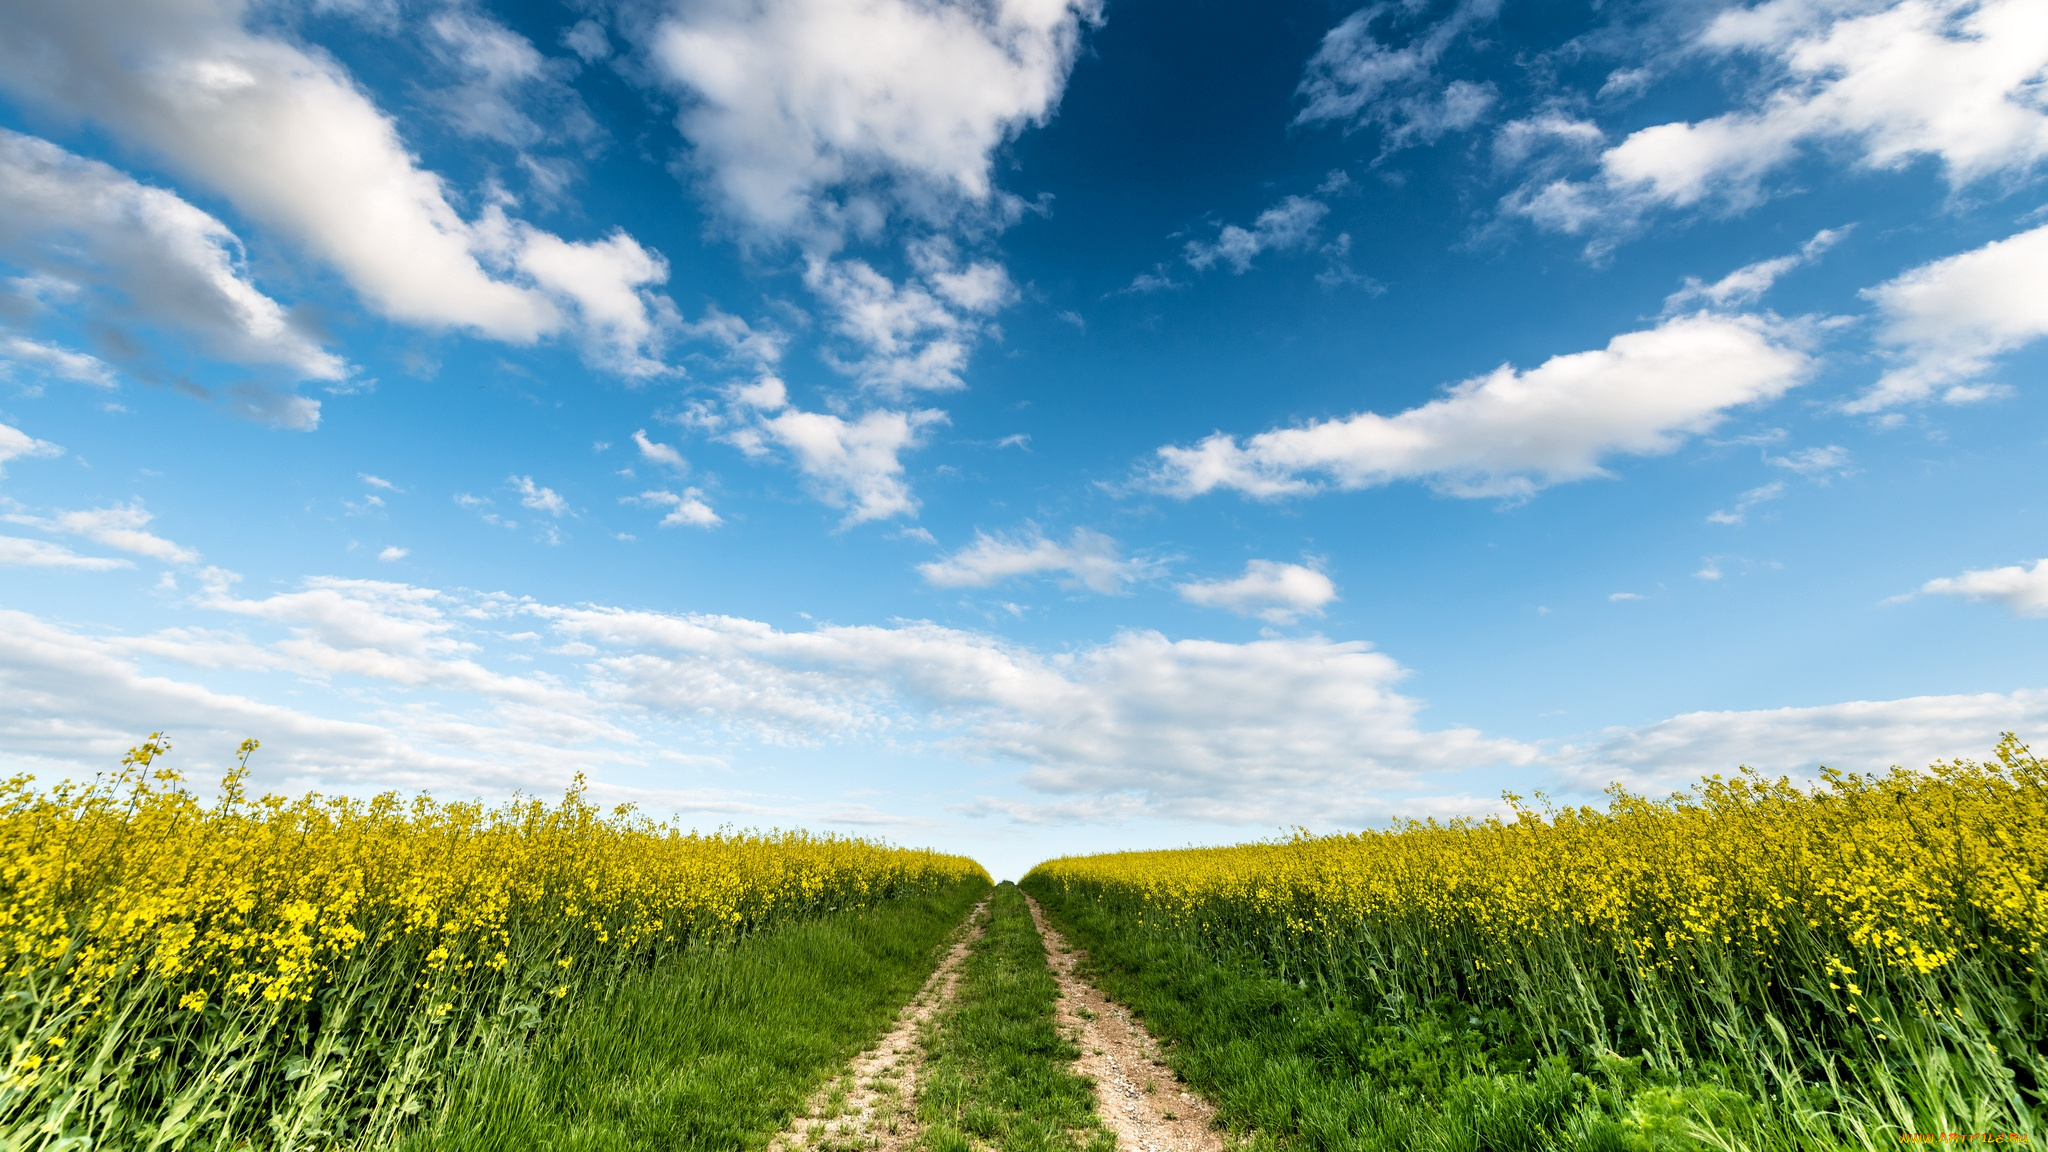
(1618, 597)
(2023, 591)
(1274, 592)
(377, 482)
(1356, 79)
(624, 324)
(60, 362)
(815, 117)
(120, 526)
(502, 71)
(685, 510)
(1859, 736)
(143, 256)
(1287, 226)
(659, 453)
(16, 552)
(1240, 733)
(287, 135)
(1948, 320)
(18, 445)
(393, 553)
(1089, 559)
(1746, 501)
(587, 39)
(1145, 283)
(1517, 140)
(850, 464)
(1956, 80)
(1747, 284)
(911, 339)
(1812, 461)
(1139, 725)
(1510, 432)
(538, 498)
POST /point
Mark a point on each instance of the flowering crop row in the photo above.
(1879, 932)
(212, 960)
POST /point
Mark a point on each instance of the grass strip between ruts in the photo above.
(998, 1072)
(712, 1049)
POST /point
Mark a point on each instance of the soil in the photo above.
(1137, 1095)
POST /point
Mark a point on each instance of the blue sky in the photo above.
(1025, 426)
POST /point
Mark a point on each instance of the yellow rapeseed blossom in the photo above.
(265, 900)
(1908, 870)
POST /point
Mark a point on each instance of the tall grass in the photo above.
(294, 973)
(710, 1049)
(1860, 962)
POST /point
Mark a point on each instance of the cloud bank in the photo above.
(1512, 432)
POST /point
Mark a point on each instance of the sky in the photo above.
(1022, 427)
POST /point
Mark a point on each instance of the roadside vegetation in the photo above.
(1749, 965)
(998, 1073)
(324, 972)
(713, 1048)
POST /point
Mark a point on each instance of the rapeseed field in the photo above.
(293, 973)
(1847, 965)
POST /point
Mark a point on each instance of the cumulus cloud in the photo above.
(122, 526)
(287, 135)
(1512, 432)
(1287, 226)
(16, 552)
(57, 361)
(685, 509)
(1357, 79)
(624, 325)
(1947, 322)
(854, 464)
(538, 498)
(816, 119)
(1890, 84)
(393, 553)
(658, 453)
(2022, 591)
(908, 338)
(1088, 559)
(142, 256)
(1275, 592)
(816, 124)
(18, 445)
(850, 463)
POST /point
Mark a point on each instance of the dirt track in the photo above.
(872, 1105)
(1136, 1093)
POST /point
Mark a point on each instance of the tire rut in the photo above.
(871, 1105)
(1138, 1097)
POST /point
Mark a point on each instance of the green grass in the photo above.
(998, 1074)
(1290, 1065)
(711, 1049)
